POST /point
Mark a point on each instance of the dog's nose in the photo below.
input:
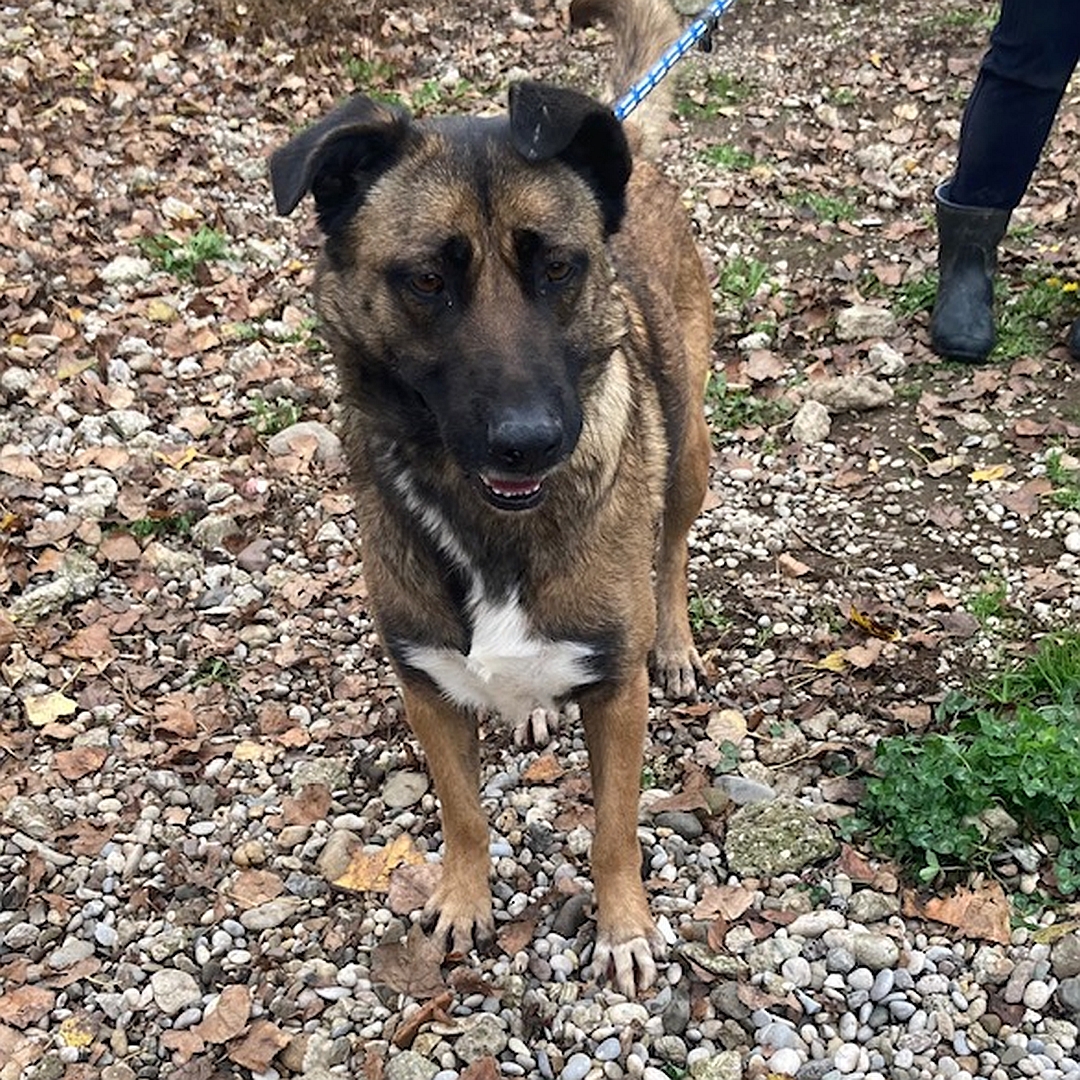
(526, 441)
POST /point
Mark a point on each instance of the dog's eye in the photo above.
(558, 272)
(426, 284)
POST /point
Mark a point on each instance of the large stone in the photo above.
(484, 1036)
(863, 321)
(76, 579)
(851, 393)
(327, 444)
(409, 1065)
(1065, 957)
(812, 424)
(174, 990)
(778, 837)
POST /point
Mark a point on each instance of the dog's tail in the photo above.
(643, 29)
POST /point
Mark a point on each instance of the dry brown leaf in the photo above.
(763, 365)
(913, 716)
(727, 901)
(254, 887)
(260, 1046)
(26, 1005)
(515, 936)
(1024, 501)
(79, 762)
(369, 870)
(90, 643)
(21, 466)
(485, 1068)
(544, 770)
(981, 913)
(227, 1017)
(411, 887)
(120, 547)
(412, 966)
(184, 1045)
(789, 566)
(309, 805)
(864, 656)
(726, 725)
(435, 1009)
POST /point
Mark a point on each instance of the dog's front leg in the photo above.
(626, 937)
(460, 908)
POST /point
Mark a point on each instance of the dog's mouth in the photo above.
(512, 493)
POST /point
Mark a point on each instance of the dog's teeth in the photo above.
(513, 489)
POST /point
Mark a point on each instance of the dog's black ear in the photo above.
(338, 158)
(551, 122)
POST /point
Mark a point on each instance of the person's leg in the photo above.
(1033, 50)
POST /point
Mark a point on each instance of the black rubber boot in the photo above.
(1073, 340)
(962, 325)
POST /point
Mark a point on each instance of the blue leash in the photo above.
(701, 29)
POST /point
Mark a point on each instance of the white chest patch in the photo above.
(509, 668)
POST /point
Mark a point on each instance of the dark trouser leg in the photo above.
(1033, 50)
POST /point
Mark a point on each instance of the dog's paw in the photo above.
(459, 919)
(676, 673)
(629, 964)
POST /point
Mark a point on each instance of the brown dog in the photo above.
(522, 327)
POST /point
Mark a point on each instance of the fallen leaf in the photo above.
(981, 913)
(411, 887)
(26, 1005)
(864, 656)
(544, 770)
(435, 1009)
(120, 547)
(872, 626)
(485, 1068)
(184, 1045)
(789, 566)
(763, 365)
(309, 805)
(46, 708)
(412, 967)
(991, 472)
(369, 870)
(726, 725)
(79, 762)
(227, 1017)
(515, 936)
(835, 661)
(254, 887)
(1024, 501)
(77, 1031)
(727, 901)
(260, 1046)
(249, 750)
(912, 716)
(90, 643)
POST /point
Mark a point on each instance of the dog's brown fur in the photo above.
(523, 340)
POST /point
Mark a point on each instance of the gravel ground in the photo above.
(205, 779)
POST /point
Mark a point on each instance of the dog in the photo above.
(522, 327)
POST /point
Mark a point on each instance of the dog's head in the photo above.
(465, 271)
